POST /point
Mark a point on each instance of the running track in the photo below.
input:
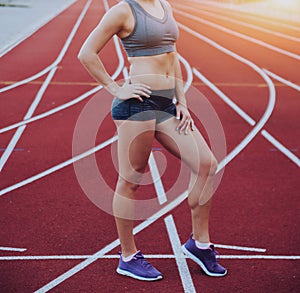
(53, 238)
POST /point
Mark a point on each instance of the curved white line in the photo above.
(188, 71)
(93, 150)
(250, 136)
(94, 90)
(76, 100)
(272, 94)
(58, 59)
(282, 80)
(246, 117)
(255, 130)
(58, 167)
(227, 100)
(245, 24)
(239, 35)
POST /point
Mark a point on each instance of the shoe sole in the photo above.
(129, 274)
(201, 264)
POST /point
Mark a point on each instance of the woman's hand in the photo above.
(135, 90)
(186, 123)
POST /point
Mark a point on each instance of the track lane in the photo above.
(285, 42)
(240, 169)
(264, 57)
(250, 102)
(281, 25)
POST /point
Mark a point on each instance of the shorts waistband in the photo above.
(167, 93)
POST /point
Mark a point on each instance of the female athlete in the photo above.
(143, 109)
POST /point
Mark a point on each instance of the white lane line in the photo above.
(227, 100)
(58, 59)
(255, 130)
(52, 111)
(242, 248)
(12, 249)
(159, 188)
(282, 80)
(264, 118)
(245, 24)
(148, 256)
(239, 35)
(181, 262)
(272, 257)
(247, 118)
(20, 130)
(281, 147)
(267, 113)
(76, 100)
(167, 208)
(189, 73)
(92, 91)
(183, 269)
(59, 166)
(160, 191)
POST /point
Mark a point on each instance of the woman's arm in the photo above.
(182, 112)
(113, 22)
(180, 96)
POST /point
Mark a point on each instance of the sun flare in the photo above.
(285, 4)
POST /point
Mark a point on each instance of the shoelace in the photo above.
(143, 261)
(214, 254)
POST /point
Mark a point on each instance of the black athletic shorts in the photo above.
(159, 106)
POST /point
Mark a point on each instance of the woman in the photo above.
(143, 109)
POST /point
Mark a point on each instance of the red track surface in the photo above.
(256, 204)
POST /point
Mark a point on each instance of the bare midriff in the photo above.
(156, 71)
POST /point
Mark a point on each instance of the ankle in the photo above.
(202, 245)
(128, 255)
(202, 238)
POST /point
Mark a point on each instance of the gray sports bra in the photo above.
(150, 35)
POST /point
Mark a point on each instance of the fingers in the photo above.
(138, 90)
(186, 123)
(142, 89)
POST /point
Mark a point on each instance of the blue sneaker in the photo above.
(138, 268)
(205, 258)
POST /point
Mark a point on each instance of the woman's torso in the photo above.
(157, 71)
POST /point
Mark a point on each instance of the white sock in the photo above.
(129, 257)
(202, 245)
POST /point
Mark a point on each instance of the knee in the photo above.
(208, 167)
(128, 185)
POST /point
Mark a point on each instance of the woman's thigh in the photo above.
(190, 148)
(135, 140)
